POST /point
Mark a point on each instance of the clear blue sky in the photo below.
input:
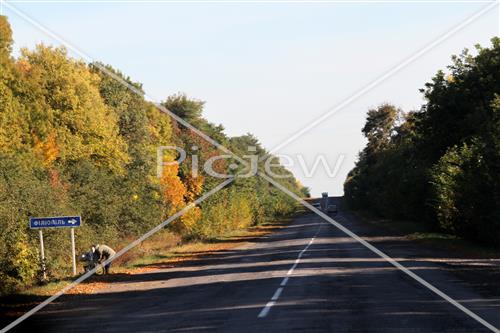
(269, 69)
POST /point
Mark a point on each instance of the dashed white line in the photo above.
(277, 294)
(284, 282)
(265, 310)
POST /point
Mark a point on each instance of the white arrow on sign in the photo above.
(72, 221)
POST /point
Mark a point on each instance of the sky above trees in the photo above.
(269, 69)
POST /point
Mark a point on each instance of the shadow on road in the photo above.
(338, 285)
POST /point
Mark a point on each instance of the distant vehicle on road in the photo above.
(332, 209)
(324, 201)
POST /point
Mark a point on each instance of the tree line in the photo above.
(74, 140)
(439, 165)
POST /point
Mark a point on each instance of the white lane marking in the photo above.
(381, 254)
(277, 294)
(290, 271)
(265, 310)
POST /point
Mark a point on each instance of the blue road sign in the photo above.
(55, 222)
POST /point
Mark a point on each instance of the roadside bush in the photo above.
(466, 193)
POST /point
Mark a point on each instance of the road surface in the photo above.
(306, 277)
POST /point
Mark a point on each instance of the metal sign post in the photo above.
(42, 254)
(56, 222)
(73, 254)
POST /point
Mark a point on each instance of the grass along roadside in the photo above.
(162, 250)
(424, 234)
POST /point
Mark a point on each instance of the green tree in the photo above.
(379, 127)
(441, 164)
(63, 100)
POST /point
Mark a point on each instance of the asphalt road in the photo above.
(306, 277)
